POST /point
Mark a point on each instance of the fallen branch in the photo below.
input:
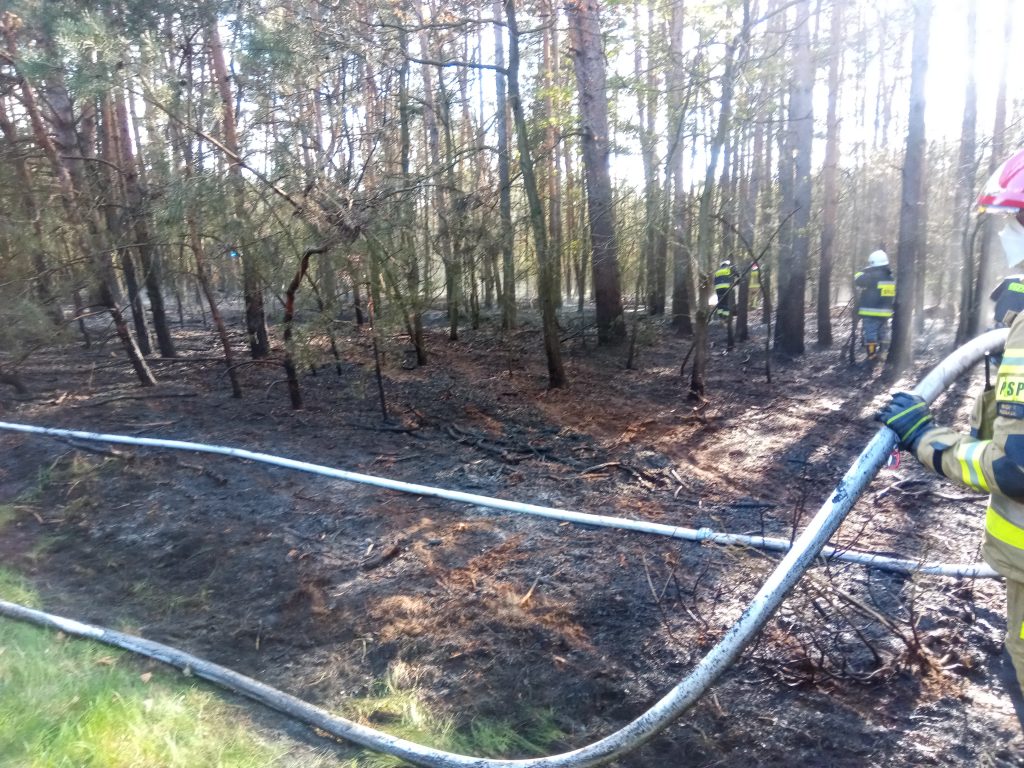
(599, 467)
(382, 427)
(111, 452)
(151, 396)
(385, 555)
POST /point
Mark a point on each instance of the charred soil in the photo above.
(324, 588)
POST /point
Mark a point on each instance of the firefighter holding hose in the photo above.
(991, 458)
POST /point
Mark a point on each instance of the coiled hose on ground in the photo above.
(799, 556)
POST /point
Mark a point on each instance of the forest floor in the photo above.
(325, 588)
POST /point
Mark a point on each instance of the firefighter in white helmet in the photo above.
(875, 301)
(991, 457)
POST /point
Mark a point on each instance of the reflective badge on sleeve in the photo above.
(887, 290)
(1010, 410)
(1010, 389)
(1010, 394)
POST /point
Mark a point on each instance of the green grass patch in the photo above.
(66, 702)
(396, 706)
(7, 514)
(71, 702)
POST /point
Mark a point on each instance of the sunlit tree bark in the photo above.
(588, 62)
(901, 353)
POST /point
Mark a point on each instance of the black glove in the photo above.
(908, 416)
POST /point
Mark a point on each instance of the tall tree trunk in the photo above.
(507, 233)
(901, 354)
(551, 135)
(588, 63)
(575, 228)
(407, 216)
(748, 223)
(552, 343)
(921, 261)
(149, 257)
(436, 118)
(452, 217)
(682, 273)
(984, 274)
(967, 327)
(114, 211)
(647, 108)
(831, 191)
(252, 284)
(793, 257)
(203, 279)
(705, 230)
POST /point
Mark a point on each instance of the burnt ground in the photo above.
(324, 588)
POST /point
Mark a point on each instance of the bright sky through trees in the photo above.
(947, 77)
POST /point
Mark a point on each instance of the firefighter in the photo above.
(725, 277)
(875, 301)
(755, 285)
(991, 458)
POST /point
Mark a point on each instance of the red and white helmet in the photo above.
(1004, 192)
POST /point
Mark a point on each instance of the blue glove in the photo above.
(908, 416)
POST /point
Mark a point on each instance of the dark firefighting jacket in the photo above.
(724, 277)
(877, 292)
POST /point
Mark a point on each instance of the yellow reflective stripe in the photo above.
(1002, 529)
(874, 312)
(904, 412)
(1013, 361)
(969, 456)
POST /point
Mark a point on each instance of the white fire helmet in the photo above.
(878, 259)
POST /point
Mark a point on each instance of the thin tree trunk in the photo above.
(647, 107)
(984, 275)
(705, 231)
(901, 353)
(507, 233)
(682, 276)
(407, 217)
(551, 160)
(552, 343)
(116, 205)
(252, 287)
(967, 327)
(148, 255)
(829, 172)
(203, 280)
(294, 391)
